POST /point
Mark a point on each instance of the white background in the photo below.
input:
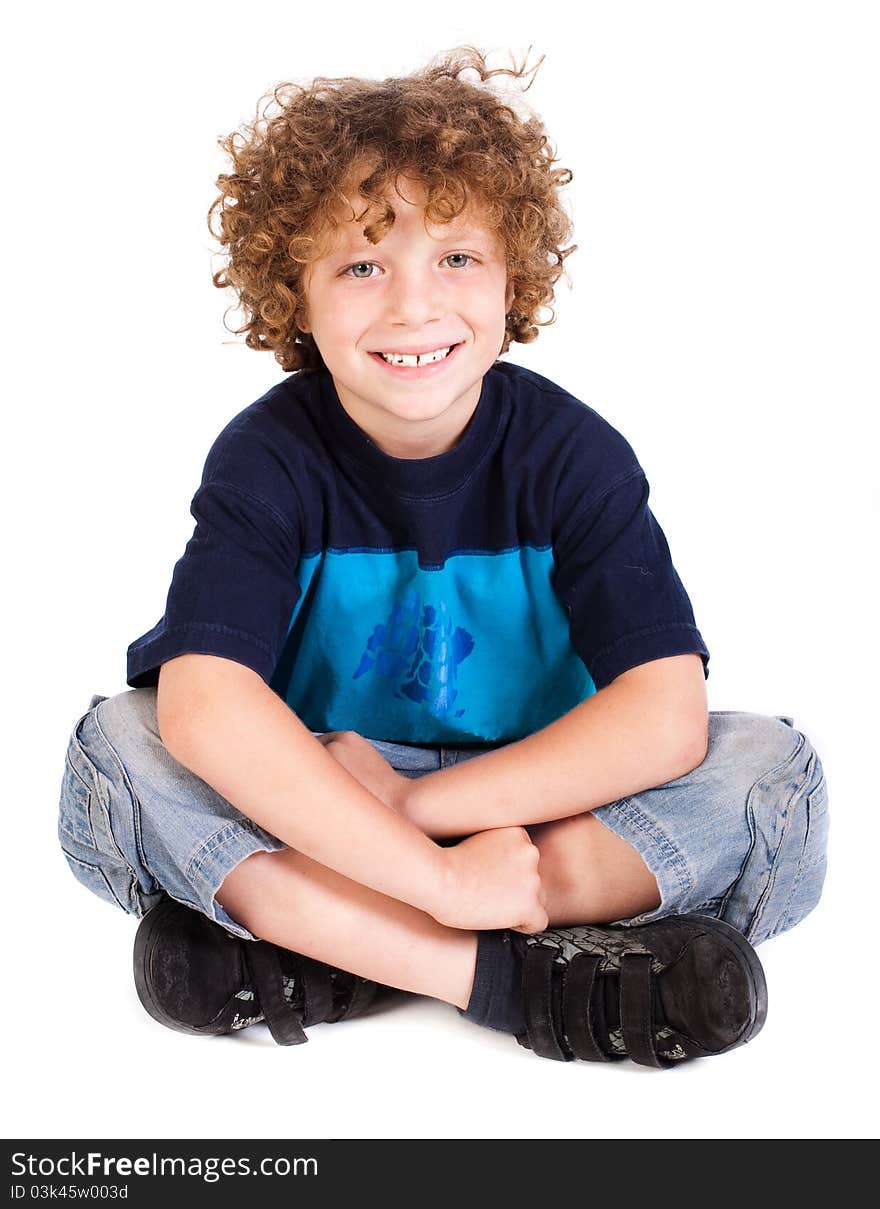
(722, 314)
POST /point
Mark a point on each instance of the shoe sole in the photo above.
(757, 980)
(142, 961)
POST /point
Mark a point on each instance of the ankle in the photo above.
(496, 1000)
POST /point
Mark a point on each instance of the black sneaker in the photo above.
(194, 976)
(683, 987)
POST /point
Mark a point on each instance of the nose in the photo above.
(414, 298)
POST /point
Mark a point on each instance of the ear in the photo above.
(509, 295)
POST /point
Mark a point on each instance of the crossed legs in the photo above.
(589, 875)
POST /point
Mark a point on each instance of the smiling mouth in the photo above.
(415, 360)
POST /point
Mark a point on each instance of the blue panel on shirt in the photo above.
(477, 651)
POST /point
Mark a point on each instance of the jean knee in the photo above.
(783, 874)
(96, 829)
(129, 719)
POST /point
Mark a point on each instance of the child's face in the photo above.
(415, 291)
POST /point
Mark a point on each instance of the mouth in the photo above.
(417, 365)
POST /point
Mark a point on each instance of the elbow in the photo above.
(181, 701)
(166, 721)
(173, 735)
(694, 747)
(191, 737)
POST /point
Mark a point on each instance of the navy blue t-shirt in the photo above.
(472, 597)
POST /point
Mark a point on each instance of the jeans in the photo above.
(742, 837)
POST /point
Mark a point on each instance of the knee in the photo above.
(753, 763)
(745, 741)
(127, 723)
(94, 846)
(787, 806)
(789, 773)
(134, 709)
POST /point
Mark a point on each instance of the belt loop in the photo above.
(448, 757)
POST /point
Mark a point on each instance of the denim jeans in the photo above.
(742, 837)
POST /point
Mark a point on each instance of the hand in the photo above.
(366, 765)
(494, 883)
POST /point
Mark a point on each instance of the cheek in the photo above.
(496, 318)
(332, 323)
(347, 313)
(488, 308)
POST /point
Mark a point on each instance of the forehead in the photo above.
(349, 235)
(345, 231)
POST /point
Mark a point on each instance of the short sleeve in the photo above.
(614, 576)
(234, 589)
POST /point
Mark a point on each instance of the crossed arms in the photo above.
(221, 721)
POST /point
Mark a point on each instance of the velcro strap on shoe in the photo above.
(537, 982)
(317, 991)
(637, 1008)
(356, 999)
(577, 997)
(284, 1024)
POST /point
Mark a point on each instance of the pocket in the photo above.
(95, 879)
(77, 788)
(798, 872)
(807, 886)
(85, 834)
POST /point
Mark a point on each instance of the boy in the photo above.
(427, 706)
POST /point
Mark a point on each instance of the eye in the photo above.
(361, 264)
(458, 256)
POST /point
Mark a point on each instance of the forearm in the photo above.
(614, 744)
(239, 737)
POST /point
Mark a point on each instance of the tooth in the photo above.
(415, 360)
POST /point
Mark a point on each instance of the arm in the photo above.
(222, 721)
(219, 719)
(647, 727)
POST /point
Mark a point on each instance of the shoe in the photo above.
(194, 976)
(687, 986)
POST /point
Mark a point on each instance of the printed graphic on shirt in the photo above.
(477, 650)
(421, 647)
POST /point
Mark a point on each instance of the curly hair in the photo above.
(315, 146)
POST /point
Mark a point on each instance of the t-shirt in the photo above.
(473, 597)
